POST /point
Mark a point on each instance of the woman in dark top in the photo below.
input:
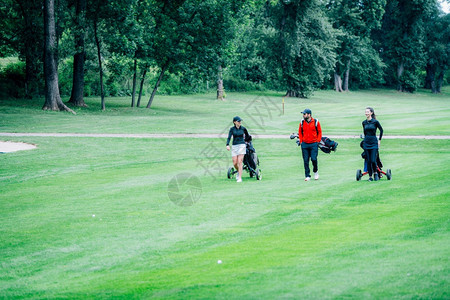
(240, 136)
(371, 143)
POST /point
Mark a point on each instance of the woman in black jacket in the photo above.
(371, 143)
(240, 136)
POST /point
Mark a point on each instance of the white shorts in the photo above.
(238, 149)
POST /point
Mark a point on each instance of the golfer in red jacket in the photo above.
(310, 134)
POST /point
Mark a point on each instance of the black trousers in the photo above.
(310, 151)
(371, 156)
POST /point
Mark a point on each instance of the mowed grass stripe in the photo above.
(421, 113)
(279, 236)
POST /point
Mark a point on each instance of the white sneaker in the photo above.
(307, 178)
(239, 180)
(316, 175)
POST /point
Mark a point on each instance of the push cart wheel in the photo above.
(258, 174)
(358, 175)
(388, 174)
(230, 172)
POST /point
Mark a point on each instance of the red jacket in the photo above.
(310, 134)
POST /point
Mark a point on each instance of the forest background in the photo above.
(138, 48)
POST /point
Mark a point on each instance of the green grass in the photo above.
(421, 113)
(278, 238)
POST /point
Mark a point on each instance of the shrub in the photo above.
(65, 76)
(239, 85)
(12, 80)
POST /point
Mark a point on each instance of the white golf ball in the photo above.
(219, 261)
(93, 216)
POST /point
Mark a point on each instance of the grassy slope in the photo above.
(412, 114)
(277, 237)
(280, 237)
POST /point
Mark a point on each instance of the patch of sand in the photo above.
(6, 147)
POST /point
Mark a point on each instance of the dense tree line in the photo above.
(139, 47)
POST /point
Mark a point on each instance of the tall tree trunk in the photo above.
(28, 76)
(133, 93)
(28, 56)
(440, 81)
(141, 88)
(220, 84)
(337, 82)
(433, 86)
(32, 49)
(52, 97)
(97, 42)
(79, 58)
(400, 70)
(163, 70)
(346, 76)
(430, 73)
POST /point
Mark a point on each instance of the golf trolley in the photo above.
(379, 172)
(250, 163)
(388, 173)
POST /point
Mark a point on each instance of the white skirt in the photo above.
(238, 150)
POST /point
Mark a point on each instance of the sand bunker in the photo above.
(6, 147)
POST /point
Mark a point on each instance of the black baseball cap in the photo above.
(306, 111)
(237, 119)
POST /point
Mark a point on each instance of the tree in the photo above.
(247, 57)
(100, 65)
(79, 58)
(191, 36)
(96, 12)
(143, 28)
(209, 37)
(401, 41)
(11, 24)
(141, 86)
(300, 45)
(355, 20)
(166, 50)
(129, 31)
(52, 97)
(21, 32)
(437, 51)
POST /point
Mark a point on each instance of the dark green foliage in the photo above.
(22, 35)
(401, 41)
(293, 46)
(12, 80)
(367, 68)
(246, 57)
(233, 84)
(301, 42)
(437, 51)
(65, 76)
(357, 62)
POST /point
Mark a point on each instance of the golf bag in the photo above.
(327, 145)
(379, 171)
(251, 159)
(363, 155)
(250, 163)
